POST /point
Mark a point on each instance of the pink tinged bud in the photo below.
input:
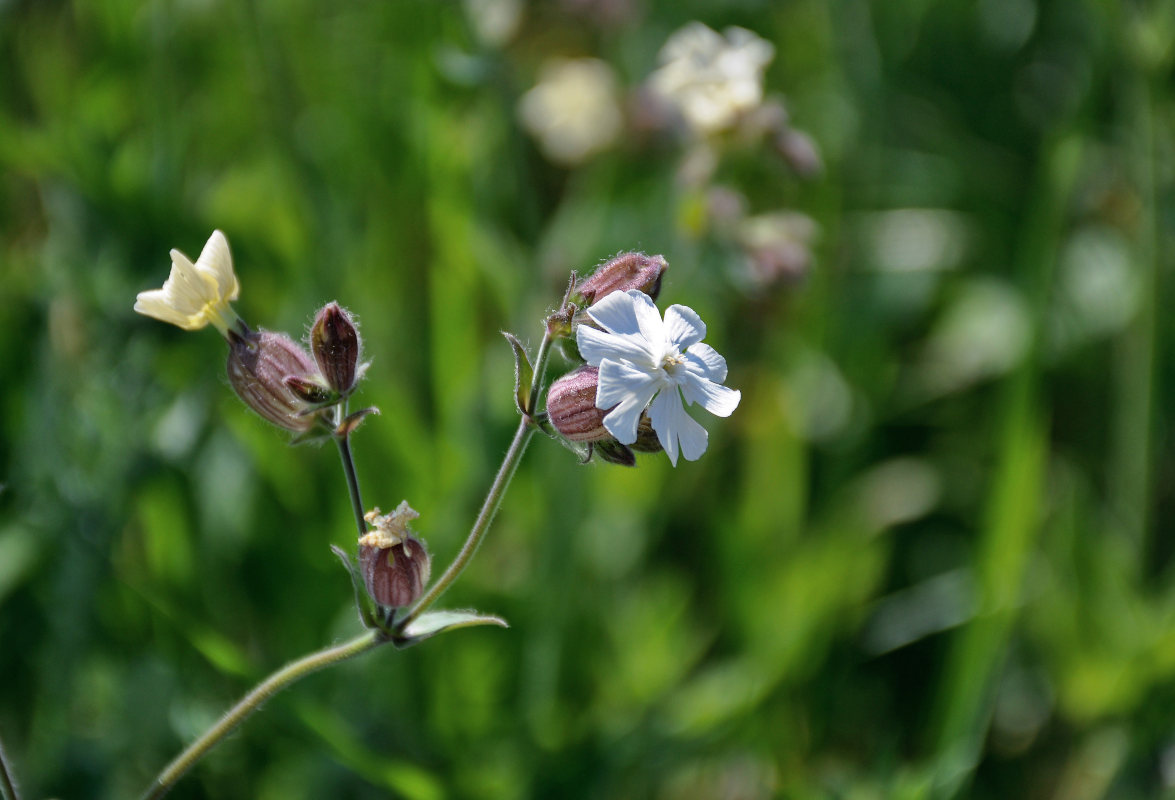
(800, 152)
(395, 576)
(571, 406)
(626, 271)
(336, 345)
(264, 368)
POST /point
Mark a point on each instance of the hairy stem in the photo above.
(287, 675)
(526, 429)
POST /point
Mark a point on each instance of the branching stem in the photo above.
(369, 640)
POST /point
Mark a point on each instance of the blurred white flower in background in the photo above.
(494, 21)
(984, 332)
(712, 79)
(573, 112)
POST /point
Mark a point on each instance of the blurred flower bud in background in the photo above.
(263, 369)
(778, 246)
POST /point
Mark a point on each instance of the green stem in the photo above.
(7, 782)
(344, 443)
(526, 429)
(540, 366)
(287, 675)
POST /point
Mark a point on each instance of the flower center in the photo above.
(671, 362)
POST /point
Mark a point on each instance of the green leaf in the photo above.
(353, 421)
(523, 374)
(430, 623)
(363, 602)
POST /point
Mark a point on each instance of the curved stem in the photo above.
(287, 675)
(526, 429)
(489, 508)
(7, 782)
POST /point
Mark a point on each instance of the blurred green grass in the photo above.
(927, 557)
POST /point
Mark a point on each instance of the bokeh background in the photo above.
(928, 557)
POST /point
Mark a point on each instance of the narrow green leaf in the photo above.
(523, 373)
(431, 623)
(363, 602)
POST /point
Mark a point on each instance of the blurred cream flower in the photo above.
(573, 111)
(712, 79)
(196, 294)
(494, 21)
(647, 361)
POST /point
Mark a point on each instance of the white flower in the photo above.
(196, 294)
(643, 359)
(709, 78)
(573, 111)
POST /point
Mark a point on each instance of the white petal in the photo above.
(623, 421)
(619, 380)
(216, 263)
(631, 314)
(683, 326)
(649, 319)
(186, 289)
(157, 304)
(704, 360)
(693, 438)
(595, 346)
(615, 313)
(718, 400)
(675, 428)
(664, 413)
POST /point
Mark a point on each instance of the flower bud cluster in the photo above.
(274, 375)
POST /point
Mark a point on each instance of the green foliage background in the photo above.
(929, 556)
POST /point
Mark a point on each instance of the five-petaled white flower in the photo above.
(644, 359)
(196, 294)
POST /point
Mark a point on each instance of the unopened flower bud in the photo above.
(625, 271)
(395, 564)
(571, 406)
(336, 345)
(614, 452)
(260, 365)
(646, 437)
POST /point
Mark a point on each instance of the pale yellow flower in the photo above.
(196, 294)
